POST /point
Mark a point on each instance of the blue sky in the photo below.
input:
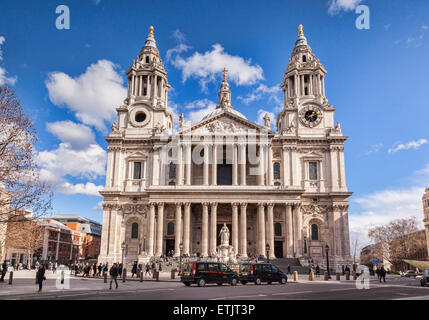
(377, 80)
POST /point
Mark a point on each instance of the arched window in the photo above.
(304, 58)
(172, 171)
(278, 229)
(134, 230)
(276, 170)
(170, 228)
(314, 232)
(147, 59)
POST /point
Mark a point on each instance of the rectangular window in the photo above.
(137, 173)
(313, 170)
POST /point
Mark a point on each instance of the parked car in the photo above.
(424, 281)
(409, 274)
(201, 273)
(261, 272)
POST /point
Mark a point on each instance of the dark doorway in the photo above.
(219, 226)
(224, 174)
(278, 249)
(169, 245)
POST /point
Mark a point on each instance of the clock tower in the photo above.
(306, 111)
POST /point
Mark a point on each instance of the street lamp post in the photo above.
(327, 260)
(180, 255)
(123, 246)
(268, 252)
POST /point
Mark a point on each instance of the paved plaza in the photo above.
(24, 288)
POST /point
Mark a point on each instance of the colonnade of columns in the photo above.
(211, 158)
(264, 228)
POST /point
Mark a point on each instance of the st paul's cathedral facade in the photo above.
(283, 192)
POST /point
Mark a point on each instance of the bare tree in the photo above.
(20, 185)
(398, 240)
(26, 235)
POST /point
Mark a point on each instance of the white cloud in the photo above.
(336, 6)
(387, 26)
(208, 65)
(178, 35)
(383, 206)
(92, 95)
(409, 145)
(181, 47)
(425, 27)
(3, 78)
(200, 109)
(260, 91)
(77, 135)
(86, 163)
(88, 189)
(375, 148)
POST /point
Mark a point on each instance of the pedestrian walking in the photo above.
(134, 269)
(317, 271)
(288, 270)
(382, 274)
(113, 275)
(40, 276)
(147, 269)
(3, 271)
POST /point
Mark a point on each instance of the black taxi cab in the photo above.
(202, 273)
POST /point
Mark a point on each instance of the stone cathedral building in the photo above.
(282, 190)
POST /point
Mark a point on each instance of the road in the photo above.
(395, 288)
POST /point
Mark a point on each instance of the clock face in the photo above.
(310, 116)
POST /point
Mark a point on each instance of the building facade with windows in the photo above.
(282, 190)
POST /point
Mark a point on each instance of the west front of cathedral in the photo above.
(283, 192)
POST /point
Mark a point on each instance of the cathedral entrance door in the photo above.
(224, 174)
(278, 249)
(169, 245)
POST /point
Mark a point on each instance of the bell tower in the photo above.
(145, 108)
(305, 106)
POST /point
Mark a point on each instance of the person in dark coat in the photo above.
(134, 269)
(113, 275)
(3, 271)
(40, 276)
(382, 274)
(100, 268)
(317, 271)
(94, 269)
(288, 270)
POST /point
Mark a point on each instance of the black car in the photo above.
(424, 281)
(201, 273)
(261, 272)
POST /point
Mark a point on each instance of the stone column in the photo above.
(243, 231)
(298, 230)
(270, 166)
(214, 165)
(177, 229)
(235, 226)
(187, 229)
(155, 166)
(179, 165)
(206, 165)
(285, 166)
(234, 165)
(243, 164)
(270, 231)
(261, 176)
(205, 230)
(346, 237)
(160, 229)
(334, 169)
(261, 229)
(289, 234)
(188, 163)
(213, 227)
(151, 227)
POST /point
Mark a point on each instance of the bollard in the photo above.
(124, 274)
(105, 276)
(347, 275)
(338, 276)
(141, 276)
(326, 276)
(173, 274)
(138, 273)
(354, 275)
(295, 276)
(157, 275)
(10, 277)
(311, 276)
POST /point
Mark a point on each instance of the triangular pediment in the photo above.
(224, 122)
